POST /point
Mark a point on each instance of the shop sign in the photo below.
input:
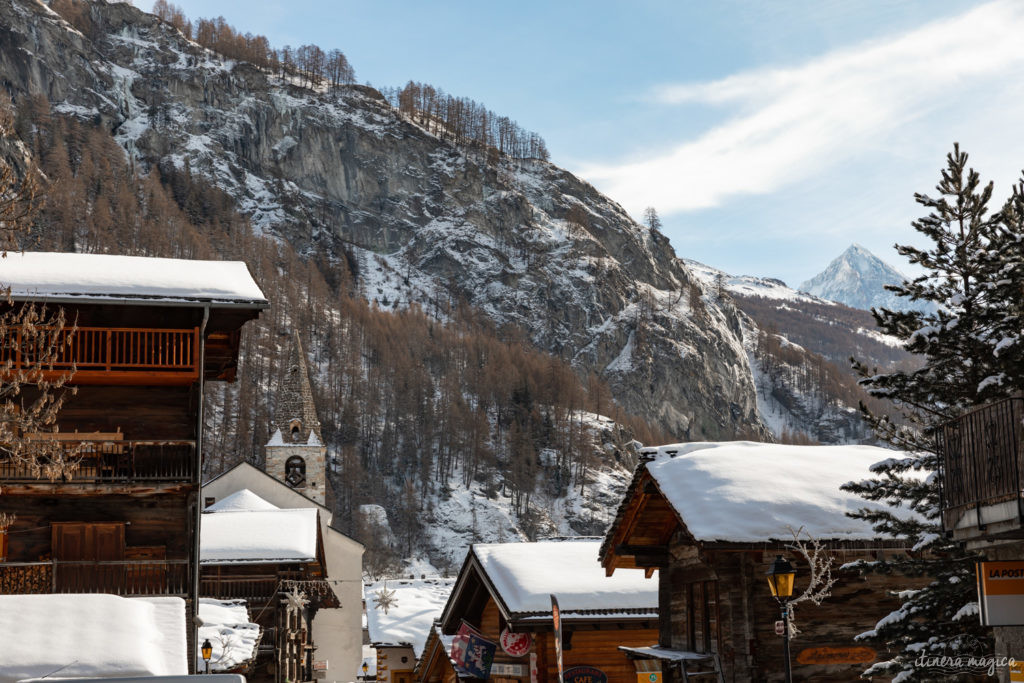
(515, 644)
(1001, 593)
(508, 669)
(648, 677)
(584, 674)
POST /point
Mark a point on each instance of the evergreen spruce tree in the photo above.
(962, 364)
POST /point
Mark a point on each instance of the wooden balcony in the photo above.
(125, 577)
(116, 461)
(115, 355)
(982, 473)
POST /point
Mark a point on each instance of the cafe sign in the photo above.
(584, 674)
(1001, 593)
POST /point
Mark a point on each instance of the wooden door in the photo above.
(81, 544)
(401, 677)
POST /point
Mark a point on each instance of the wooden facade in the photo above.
(286, 651)
(590, 638)
(716, 610)
(125, 520)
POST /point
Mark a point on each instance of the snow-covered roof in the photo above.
(258, 536)
(113, 278)
(241, 501)
(91, 635)
(416, 604)
(526, 575)
(225, 623)
(750, 492)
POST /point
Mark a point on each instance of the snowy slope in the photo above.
(749, 285)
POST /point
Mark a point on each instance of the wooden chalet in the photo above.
(273, 559)
(711, 518)
(504, 593)
(983, 508)
(436, 663)
(148, 334)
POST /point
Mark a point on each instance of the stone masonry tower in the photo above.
(296, 453)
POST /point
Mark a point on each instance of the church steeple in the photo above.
(296, 453)
(296, 416)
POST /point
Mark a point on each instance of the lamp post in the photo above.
(780, 581)
(207, 650)
(366, 668)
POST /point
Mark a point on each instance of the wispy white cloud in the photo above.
(789, 124)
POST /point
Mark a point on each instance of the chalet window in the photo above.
(702, 616)
(295, 471)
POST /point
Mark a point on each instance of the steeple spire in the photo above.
(296, 415)
(296, 453)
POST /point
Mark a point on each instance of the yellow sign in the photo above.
(1001, 593)
(651, 677)
(1017, 671)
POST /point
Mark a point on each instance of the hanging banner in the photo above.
(1001, 593)
(556, 619)
(472, 654)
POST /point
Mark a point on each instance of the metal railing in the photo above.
(121, 577)
(115, 461)
(982, 460)
(111, 354)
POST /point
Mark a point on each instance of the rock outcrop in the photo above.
(525, 241)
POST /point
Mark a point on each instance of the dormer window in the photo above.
(295, 428)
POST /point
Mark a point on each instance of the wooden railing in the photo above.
(982, 460)
(125, 577)
(116, 461)
(114, 355)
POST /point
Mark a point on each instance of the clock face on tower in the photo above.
(295, 472)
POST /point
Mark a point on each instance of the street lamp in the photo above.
(207, 650)
(780, 581)
(366, 668)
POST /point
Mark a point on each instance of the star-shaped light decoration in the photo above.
(385, 599)
(296, 599)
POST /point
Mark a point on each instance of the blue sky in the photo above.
(769, 136)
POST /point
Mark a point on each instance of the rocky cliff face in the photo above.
(427, 221)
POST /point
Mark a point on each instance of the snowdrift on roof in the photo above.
(258, 536)
(417, 603)
(241, 501)
(91, 635)
(86, 276)
(750, 492)
(527, 574)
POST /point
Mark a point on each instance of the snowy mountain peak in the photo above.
(857, 278)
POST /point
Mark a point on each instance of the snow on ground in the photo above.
(91, 635)
(258, 535)
(887, 339)
(526, 575)
(462, 515)
(748, 492)
(39, 274)
(416, 605)
(225, 623)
